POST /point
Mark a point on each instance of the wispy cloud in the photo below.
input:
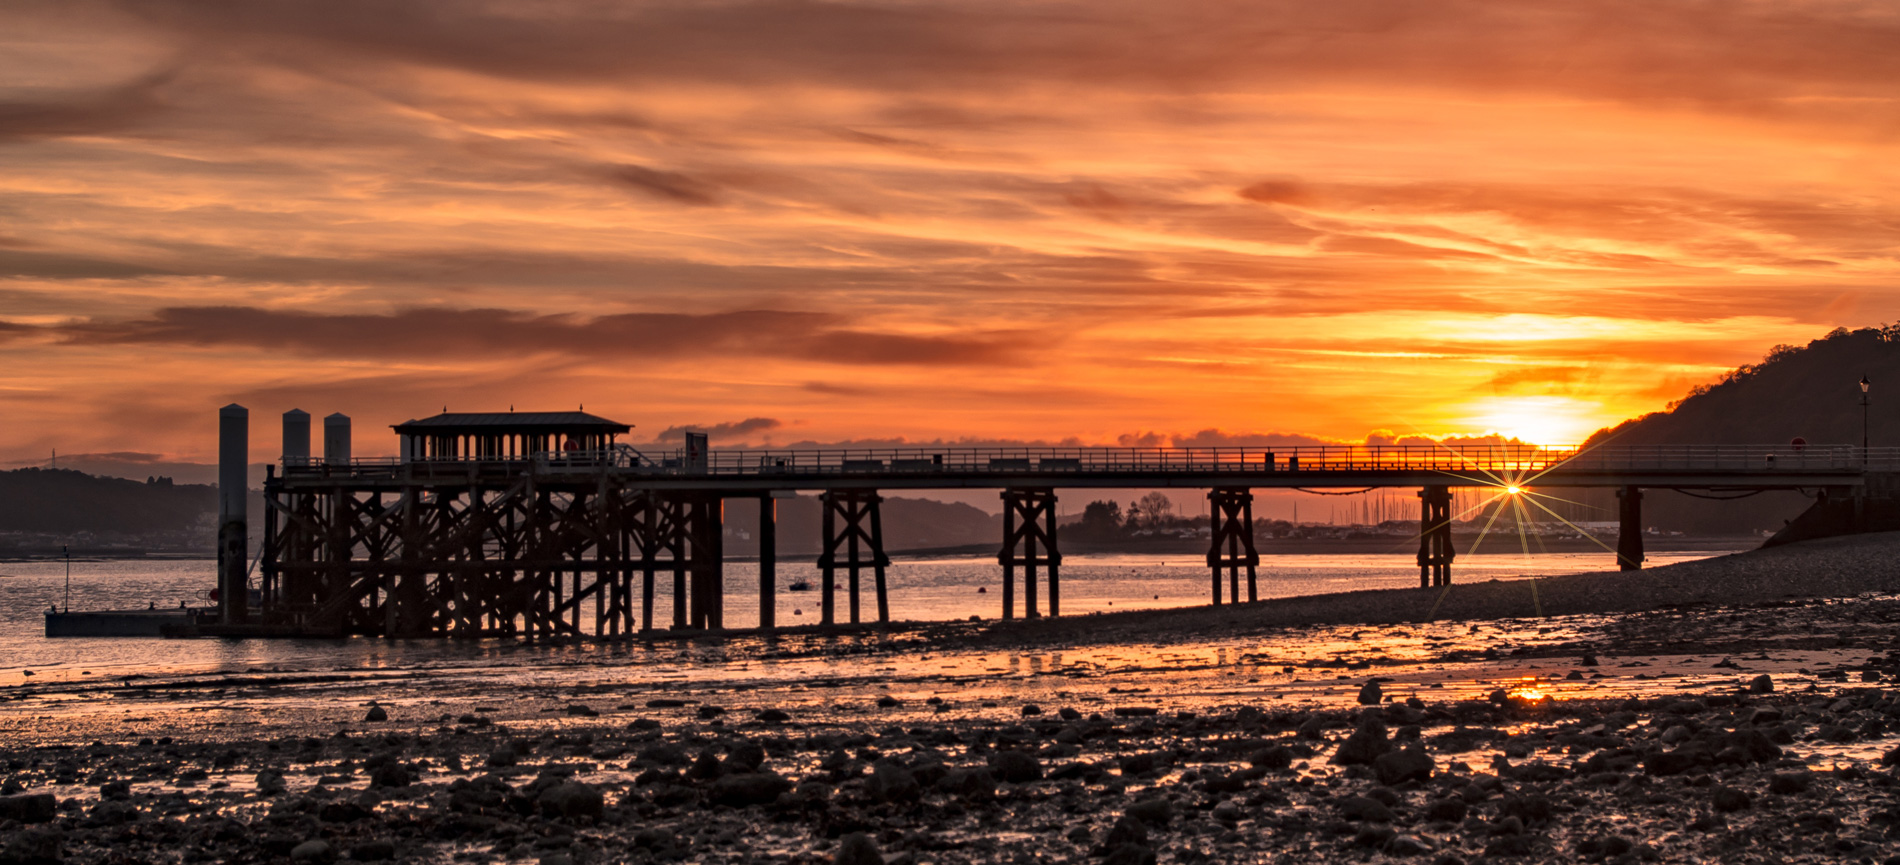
(927, 221)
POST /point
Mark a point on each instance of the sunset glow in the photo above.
(1106, 223)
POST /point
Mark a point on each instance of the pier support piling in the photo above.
(1435, 552)
(1029, 540)
(234, 449)
(1629, 531)
(708, 563)
(1231, 545)
(854, 522)
(768, 562)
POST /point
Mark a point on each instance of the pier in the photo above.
(543, 525)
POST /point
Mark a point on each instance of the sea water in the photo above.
(929, 589)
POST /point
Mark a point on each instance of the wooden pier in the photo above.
(541, 525)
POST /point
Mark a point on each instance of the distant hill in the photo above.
(1812, 392)
(36, 501)
(41, 509)
(909, 524)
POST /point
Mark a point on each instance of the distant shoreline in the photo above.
(107, 556)
(1496, 545)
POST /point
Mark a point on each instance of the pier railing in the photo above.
(1515, 461)
(1481, 463)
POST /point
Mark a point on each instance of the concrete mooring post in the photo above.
(296, 437)
(336, 440)
(234, 450)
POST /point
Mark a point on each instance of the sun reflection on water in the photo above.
(1530, 690)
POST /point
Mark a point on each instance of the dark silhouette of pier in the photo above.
(542, 525)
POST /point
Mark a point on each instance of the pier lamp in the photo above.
(1864, 385)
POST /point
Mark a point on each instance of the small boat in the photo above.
(799, 586)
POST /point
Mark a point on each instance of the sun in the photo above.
(1539, 420)
(1513, 489)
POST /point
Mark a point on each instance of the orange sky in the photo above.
(1104, 222)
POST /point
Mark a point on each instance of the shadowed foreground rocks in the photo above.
(1731, 776)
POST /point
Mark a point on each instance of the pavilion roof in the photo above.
(511, 423)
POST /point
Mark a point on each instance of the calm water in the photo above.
(930, 589)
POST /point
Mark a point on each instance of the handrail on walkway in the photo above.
(1477, 463)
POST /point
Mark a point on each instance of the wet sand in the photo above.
(1626, 724)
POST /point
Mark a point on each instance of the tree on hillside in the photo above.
(1155, 509)
(1100, 521)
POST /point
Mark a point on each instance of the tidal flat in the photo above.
(1733, 710)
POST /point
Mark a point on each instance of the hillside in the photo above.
(909, 524)
(1812, 392)
(42, 507)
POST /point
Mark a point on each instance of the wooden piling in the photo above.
(1629, 530)
(768, 563)
(1029, 540)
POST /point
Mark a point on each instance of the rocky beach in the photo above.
(1738, 709)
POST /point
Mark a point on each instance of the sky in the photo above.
(1098, 223)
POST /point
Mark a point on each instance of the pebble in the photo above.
(891, 784)
(1015, 767)
(29, 808)
(742, 789)
(1406, 845)
(572, 800)
(1366, 809)
(1153, 812)
(857, 848)
(1790, 783)
(976, 785)
(316, 851)
(269, 783)
(1130, 854)
(373, 851)
(1410, 763)
(1364, 745)
(376, 714)
(1729, 800)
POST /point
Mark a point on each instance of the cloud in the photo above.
(721, 433)
(1541, 379)
(465, 333)
(1746, 57)
(934, 220)
(55, 265)
(89, 112)
(1217, 438)
(667, 185)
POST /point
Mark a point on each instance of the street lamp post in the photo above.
(1864, 385)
